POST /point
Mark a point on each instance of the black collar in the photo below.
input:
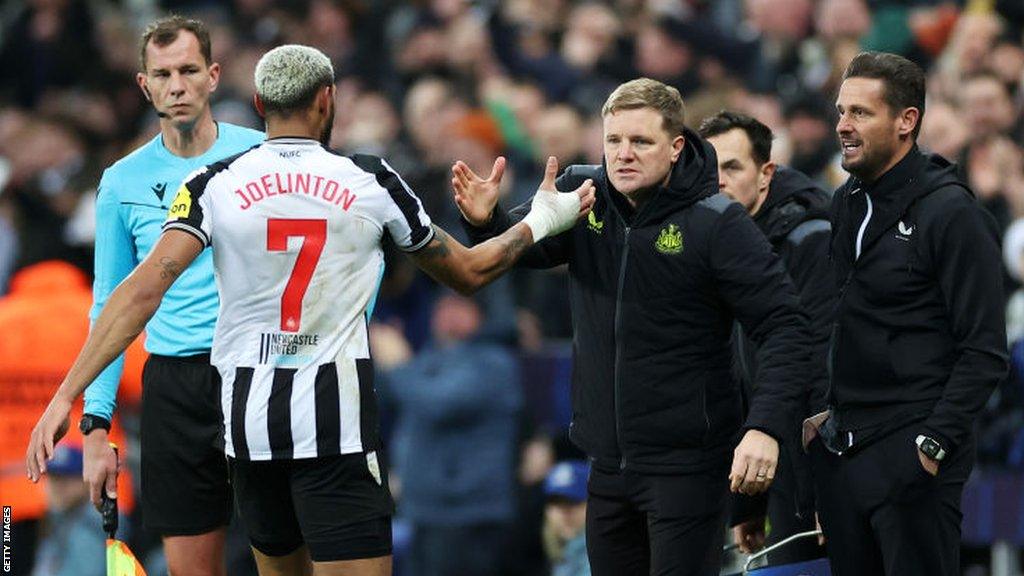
(899, 177)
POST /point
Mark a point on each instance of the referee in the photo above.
(186, 497)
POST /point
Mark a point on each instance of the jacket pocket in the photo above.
(910, 481)
(670, 418)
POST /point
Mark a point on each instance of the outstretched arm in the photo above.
(468, 269)
(124, 316)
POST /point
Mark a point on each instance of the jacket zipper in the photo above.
(834, 340)
(618, 346)
(618, 324)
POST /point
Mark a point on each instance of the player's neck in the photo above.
(190, 140)
(292, 127)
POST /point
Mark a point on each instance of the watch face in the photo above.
(930, 447)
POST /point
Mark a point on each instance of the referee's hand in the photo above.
(99, 466)
(52, 426)
(753, 463)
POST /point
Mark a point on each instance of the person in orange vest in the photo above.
(44, 321)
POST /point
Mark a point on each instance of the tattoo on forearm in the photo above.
(513, 248)
(169, 268)
(438, 247)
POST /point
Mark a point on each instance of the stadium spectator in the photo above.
(565, 518)
(45, 321)
(73, 542)
(457, 407)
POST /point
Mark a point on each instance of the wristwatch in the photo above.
(930, 447)
(90, 422)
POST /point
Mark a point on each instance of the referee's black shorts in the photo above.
(339, 506)
(185, 489)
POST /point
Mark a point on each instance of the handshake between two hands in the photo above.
(550, 213)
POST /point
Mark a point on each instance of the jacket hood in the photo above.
(938, 173)
(916, 175)
(694, 177)
(793, 198)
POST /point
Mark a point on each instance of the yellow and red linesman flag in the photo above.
(121, 561)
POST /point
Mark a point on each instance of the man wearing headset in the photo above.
(186, 497)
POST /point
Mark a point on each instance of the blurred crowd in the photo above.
(423, 83)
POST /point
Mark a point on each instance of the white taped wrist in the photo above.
(537, 225)
(551, 213)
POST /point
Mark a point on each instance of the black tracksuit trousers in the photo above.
(662, 525)
(882, 513)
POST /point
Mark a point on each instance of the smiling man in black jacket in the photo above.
(919, 341)
(658, 273)
(792, 212)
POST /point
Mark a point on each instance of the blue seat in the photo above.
(818, 567)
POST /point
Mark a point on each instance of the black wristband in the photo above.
(90, 422)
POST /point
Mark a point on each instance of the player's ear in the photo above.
(324, 98)
(258, 104)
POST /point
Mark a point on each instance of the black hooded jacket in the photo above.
(653, 303)
(920, 335)
(794, 218)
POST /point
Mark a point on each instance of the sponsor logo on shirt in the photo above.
(181, 207)
(904, 231)
(159, 190)
(593, 223)
(275, 344)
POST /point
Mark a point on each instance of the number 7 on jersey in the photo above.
(314, 236)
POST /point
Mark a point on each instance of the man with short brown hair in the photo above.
(659, 271)
(919, 341)
(186, 497)
(792, 211)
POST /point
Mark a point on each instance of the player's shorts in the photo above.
(339, 506)
(185, 489)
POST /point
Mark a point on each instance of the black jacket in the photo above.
(653, 304)
(920, 333)
(794, 218)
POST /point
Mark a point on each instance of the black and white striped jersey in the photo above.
(296, 232)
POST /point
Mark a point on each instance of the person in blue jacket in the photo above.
(565, 514)
(457, 405)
